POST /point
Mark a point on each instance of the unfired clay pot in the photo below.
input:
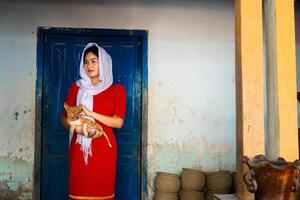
(192, 179)
(165, 196)
(167, 182)
(219, 181)
(191, 195)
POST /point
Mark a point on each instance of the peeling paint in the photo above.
(15, 178)
(18, 129)
(213, 120)
(21, 193)
(173, 157)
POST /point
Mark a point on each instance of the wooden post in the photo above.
(249, 85)
(282, 136)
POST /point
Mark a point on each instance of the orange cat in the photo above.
(75, 118)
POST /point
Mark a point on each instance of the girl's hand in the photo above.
(87, 112)
(91, 132)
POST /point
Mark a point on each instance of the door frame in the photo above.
(41, 32)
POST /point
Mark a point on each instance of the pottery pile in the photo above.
(219, 182)
(167, 186)
(192, 184)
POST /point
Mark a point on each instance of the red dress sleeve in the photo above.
(120, 101)
(71, 98)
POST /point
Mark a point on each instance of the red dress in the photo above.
(96, 180)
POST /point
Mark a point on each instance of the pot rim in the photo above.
(279, 163)
(220, 172)
(167, 174)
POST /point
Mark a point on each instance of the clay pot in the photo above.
(165, 196)
(191, 195)
(272, 179)
(219, 181)
(192, 179)
(167, 182)
(294, 196)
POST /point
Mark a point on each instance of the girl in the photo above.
(92, 160)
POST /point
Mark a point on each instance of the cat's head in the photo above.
(73, 112)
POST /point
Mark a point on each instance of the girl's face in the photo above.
(91, 65)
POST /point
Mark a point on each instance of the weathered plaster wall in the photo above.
(17, 79)
(191, 80)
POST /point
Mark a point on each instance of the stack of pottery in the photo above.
(192, 183)
(167, 186)
(219, 182)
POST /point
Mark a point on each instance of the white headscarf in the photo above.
(87, 90)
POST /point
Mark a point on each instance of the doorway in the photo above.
(58, 57)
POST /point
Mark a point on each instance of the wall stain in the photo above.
(173, 110)
(27, 111)
(16, 115)
(13, 172)
(6, 193)
(214, 121)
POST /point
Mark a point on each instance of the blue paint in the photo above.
(62, 48)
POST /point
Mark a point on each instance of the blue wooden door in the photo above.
(62, 53)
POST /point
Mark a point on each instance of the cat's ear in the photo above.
(80, 106)
(66, 106)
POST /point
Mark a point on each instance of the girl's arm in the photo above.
(111, 121)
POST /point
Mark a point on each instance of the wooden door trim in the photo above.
(41, 33)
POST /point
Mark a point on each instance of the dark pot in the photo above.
(271, 180)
